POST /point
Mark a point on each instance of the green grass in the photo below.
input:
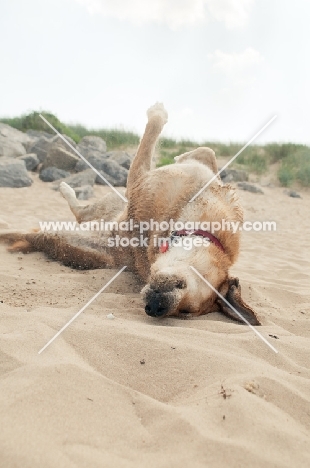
(279, 152)
(254, 159)
(33, 121)
(114, 138)
(293, 159)
(295, 166)
(285, 176)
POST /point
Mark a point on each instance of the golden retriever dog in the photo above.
(172, 287)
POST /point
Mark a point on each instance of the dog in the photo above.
(172, 287)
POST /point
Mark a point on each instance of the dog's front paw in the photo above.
(66, 191)
(158, 110)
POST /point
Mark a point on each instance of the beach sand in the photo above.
(140, 392)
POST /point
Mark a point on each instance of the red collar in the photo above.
(196, 232)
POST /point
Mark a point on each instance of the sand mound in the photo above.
(136, 392)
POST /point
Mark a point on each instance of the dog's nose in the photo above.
(155, 306)
(160, 295)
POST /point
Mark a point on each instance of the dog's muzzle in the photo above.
(160, 302)
(157, 305)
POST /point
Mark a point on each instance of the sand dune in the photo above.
(136, 392)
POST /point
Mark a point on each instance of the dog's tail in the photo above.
(17, 242)
(78, 253)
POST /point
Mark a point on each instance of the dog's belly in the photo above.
(160, 196)
(163, 192)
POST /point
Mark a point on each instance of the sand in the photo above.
(137, 392)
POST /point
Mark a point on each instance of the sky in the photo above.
(222, 68)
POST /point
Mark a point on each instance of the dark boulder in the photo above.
(79, 180)
(31, 161)
(121, 157)
(13, 173)
(249, 187)
(234, 175)
(50, 174)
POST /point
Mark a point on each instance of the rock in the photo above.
(90, 145)
(50, 174)
(107, 177)
(57, 140)
(110, 170)
(12, 142)
(10, 149)
(13, 173)
(40, 147)
(234, 175)
(31, 161)
(43, 145)
(38, 134)
(292, 193)
(84, 192)
(249, 187)
(121, 157)
(79, 180)
(59, 157)
(13, 134)
(94, 159)
(115, 171)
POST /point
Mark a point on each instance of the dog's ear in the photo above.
(231, 290)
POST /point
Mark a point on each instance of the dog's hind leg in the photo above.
(107, 208)
(157, 117)
(203, 155)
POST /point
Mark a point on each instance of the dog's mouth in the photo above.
(162, 312)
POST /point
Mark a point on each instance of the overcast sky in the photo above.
(222, 68)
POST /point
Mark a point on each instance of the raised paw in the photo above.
(158, 110)
(66, 191)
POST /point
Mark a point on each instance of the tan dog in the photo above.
(162, 194)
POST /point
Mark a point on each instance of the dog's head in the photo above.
(175, 289)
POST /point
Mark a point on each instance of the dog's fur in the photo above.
(161, 194)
